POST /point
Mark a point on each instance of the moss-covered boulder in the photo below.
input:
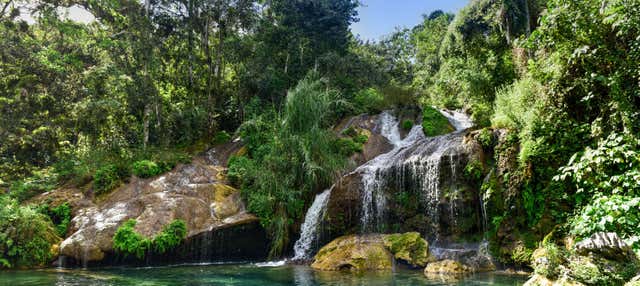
(408, 247)
(372, 252)
(354, 253)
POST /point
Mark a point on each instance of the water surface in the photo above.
(239, 274)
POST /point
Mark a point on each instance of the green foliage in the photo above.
(290, 157)
(41, 181)
(474, 171)
(369, 100)
(26, 236)
(221, 137)
(407, 124)
(145, 169)
(361, 139)
(613, 167)
(128, 242)
(108, 178)
(171, 236)
(547, 259)
(615, 213)
(485, 137)
(60, 216)
(238, 168)
(346, 146)
(434, 123)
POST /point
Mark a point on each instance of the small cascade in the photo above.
(310, 228)
(415, 165)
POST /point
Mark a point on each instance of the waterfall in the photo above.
(414, 164)
(311, 225)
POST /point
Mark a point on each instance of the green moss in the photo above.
(434, 123)
(474, 171)
(128, 242)
(599, 271)
(361, 138)
(409, 247)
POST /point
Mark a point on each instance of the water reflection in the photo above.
(245, 275)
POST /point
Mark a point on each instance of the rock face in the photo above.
(196, 193)
(371, 252)
(417, 185)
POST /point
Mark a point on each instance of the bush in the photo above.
(221, 137)
(146, 169)
(434, 123)
(346, 146)
(128, 242)
(238, 167)
(361, 138)
(108, 178)
(407, 125)
(60, 216)
(369, 100)
(616, 213)
(26, 236)
(39, 182)
(485, 137)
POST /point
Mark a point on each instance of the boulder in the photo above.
(354, 253)
(408, 247)
(196, 193)
(447, 266)
(607, 245)
(372, 252)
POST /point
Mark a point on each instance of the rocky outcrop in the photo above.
(602, 259)
(196, 193)
(371, 252)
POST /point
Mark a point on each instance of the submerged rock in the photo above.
(196, 193)
(447, 266)
(371, 252)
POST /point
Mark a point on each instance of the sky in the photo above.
(381, 17)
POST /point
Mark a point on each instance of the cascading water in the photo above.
(414, 163)
(309, 230)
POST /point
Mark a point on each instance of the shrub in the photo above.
(346, 146)
(108, 178)
(60, 216)
(369, 100)
(616, 213)
(361, 138)
(485, 137)
(127, 241)
(39, 182)
(238, 167)
(146, 169)
(407, 124)
(474, 171)
(434, 123)
(26, 236)
(221, 137)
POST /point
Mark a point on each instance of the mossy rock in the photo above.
(599, 271)
(546, 260)
(447, 266)
(354, 253)
(373, 252)
(409, 247)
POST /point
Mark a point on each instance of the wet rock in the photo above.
(540, 280)
(372, 252)
(196, 193)
(447, 266)
(608, 245)
(354, 253)
(408, 247)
